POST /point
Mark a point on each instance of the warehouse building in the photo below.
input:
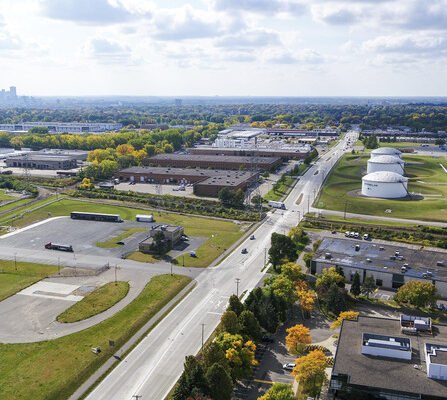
(385, 184)
(213, 161)
(386, 151)
(391, 266)
(386, 163)
(206, 182)
(41, 161)
(375, 359)
(286, 153)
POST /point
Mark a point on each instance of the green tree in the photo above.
(220, 383)
(230, 323)
(235, 305)
(292, 272)
(335, 299)
(191, 380)
(279, 391)
(213, 354)
(328, 277)
(369, 285)
(282, 248)
(159, 243)
(250, 327)
(355, 286)
(418, 294)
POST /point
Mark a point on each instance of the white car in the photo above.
(289, 366)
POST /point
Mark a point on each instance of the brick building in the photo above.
(284, 153)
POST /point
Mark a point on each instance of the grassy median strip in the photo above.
(52, 370)
(95, 302)
(16, 276)
(280, 188)
(111, 243)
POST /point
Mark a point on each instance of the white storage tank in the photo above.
(385, 151)
(386, 163)
(384, 184)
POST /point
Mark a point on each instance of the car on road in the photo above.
(244, 251)
(120, 242)
(252, 237)
(289, 366)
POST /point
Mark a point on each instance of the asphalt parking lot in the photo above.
(83, 236)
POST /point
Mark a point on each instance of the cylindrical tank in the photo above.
(384, 184)
(385, 151)
(386, 163)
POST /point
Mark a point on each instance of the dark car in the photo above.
(267, 339)
(244, 251)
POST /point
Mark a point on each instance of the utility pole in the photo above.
(203, 333)
(346, 205)
(308, 203)
(237, 286)
(15, 261)
(58, 265)
(171, 267)
(265, 256)
(137, 396)
(116, 270)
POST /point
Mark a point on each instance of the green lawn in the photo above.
(6, 197)
(53, 370)
(400, 145)
(16, 217)
(426, 177)
(111, 243)
(280, 189)
(95, 302)
(142, 257)
(221, 234)
(13, 280)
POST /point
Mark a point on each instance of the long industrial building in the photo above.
(214, 162)
(391, 266)
(40, 161)
(206, 182)
(62, 127)
(287, 153)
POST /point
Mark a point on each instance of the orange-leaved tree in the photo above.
(297, 338)
(310, 372)
(350, 315)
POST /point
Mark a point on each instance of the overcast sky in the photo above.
(224, 47)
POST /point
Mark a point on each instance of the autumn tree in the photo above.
(418, 294)
(310, 371)
(240, 354)
(292, 272)
(327, 277)
(297, 337)
(349, 315)
(86, 184)
(306, 297)
(279, 391)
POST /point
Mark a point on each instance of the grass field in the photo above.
(6, 197)
(52, 370)
(280, 189)
(13, 280)
(142, 257)
(111, 243)
(426, 177)
(400, 145)
(95, 302)
(221, 234)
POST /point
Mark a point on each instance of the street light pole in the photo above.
(171, 267)
(237, 286)
(203, 334)
(15, 261)
(265, 256)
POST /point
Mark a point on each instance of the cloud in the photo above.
(248, 40)
(339, 14)
(188, 23)
(91, 12)
(107, 51)
(305, 56)
(260, 6)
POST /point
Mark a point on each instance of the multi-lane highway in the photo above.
(154, 366)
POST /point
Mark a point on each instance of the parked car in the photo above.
(289, 366)
(120, 242)
(365, 236)
(347, 234)
(356, 235)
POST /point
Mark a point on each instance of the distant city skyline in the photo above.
(224, 47)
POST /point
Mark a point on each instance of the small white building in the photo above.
(384, 184)
(386, 163)
(385, 151)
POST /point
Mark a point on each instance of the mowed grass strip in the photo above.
(221, 234)
(280, 189)
(142, 257)
(53, 370)
(111, 243)
(341, 190)
(16, 276)
(98, 301)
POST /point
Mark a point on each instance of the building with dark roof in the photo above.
(286, 153)
(390, 265)
(375, 360)
(206, 182)
(214, 162)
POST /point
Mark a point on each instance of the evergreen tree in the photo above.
(219, 382)
(355, 286)
(369, 286)
(235, 305)
(250, 326)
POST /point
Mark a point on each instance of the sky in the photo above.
(224, 47)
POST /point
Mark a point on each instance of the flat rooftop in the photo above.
(382, 372)
(279, 150)
(41, 157)
(343, 253)
(214, 158)
(219, 177)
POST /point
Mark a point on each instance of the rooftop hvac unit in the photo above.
(368, 260)
(327, 256)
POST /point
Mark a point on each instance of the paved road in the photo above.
(154, 366)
